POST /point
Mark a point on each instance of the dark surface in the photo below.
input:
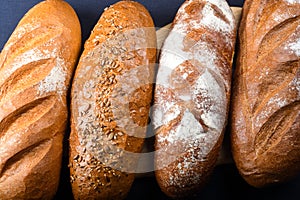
(225, 182)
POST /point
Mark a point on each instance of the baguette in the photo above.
(36, 66)
(110, 102)
(192, 93)
(265, 120)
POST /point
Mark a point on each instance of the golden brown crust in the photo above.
(110, 102)
(192, 94)
(36, 66)
(265, 105)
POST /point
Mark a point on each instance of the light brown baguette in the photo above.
(36, 66)
(110, 102)
(265, 125)
(192, 95)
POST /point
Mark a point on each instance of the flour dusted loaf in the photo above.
(266, 95)
(36, 66)
(110, 102)
(192, 94)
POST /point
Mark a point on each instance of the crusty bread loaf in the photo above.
(192, 94)
(266, 95)
(110, 102)
(36, 66)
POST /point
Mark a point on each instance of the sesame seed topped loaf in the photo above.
(110, 102)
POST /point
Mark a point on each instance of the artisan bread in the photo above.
(110, 102)
(265, 120)
(36, 66)
(192, 93)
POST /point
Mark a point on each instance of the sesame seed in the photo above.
(110, 136)
(75, 157)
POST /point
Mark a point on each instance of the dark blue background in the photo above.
(225, 182)
(89, 11)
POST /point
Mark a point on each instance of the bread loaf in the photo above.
(36, 66)
(110, 102)
(192, 95)
(266, 95)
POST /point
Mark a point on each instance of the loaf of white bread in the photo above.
(192, 95)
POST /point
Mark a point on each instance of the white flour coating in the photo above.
(188, 129)
(262, 116)
(56, 79)
(21, 31)
(211, 21)
(212, 102)
(275, 103)
(172, 56)
(183, 173)
(294, 47)
(226, 10)
(182, 27)
(158, 116)
(199, 145)
(292, 1)
(280, 17)
(280, 102)
(165, 113)
(295, 85)
(206, 55)
(185, 97)
(25, 58)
